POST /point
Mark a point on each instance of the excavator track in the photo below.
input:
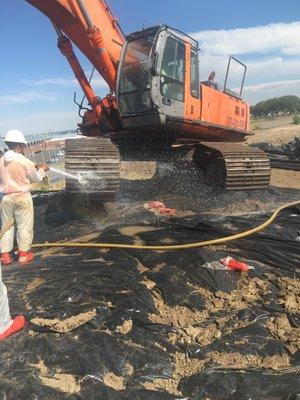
(233, 166)
(96, 162)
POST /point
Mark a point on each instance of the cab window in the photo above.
(195, 84)
(172, 70)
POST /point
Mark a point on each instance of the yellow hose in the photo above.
(173, 247)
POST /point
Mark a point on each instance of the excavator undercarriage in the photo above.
(228, 166)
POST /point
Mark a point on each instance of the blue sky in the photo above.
(37, 85)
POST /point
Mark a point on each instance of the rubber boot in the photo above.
(17, 324)
(6, 259)
(25, 257)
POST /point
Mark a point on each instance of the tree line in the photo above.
(276, 106)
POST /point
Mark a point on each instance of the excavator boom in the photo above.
(91, 25)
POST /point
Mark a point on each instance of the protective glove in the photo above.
(43, 166)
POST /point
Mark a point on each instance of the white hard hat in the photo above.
(15, 136)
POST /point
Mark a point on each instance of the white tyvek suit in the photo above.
(16, 175)
(5, 318)
(21, 209)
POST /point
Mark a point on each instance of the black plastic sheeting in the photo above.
(72, 281)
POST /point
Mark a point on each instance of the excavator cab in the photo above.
(152, 76)
(158, 87)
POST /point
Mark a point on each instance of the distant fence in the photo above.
(43, 145)
(50, 152)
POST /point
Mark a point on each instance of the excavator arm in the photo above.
(92, 27)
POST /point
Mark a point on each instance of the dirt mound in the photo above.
(66, 325)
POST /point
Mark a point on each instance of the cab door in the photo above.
(172, 76)
(192, 84)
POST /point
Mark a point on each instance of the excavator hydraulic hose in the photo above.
(164, 247)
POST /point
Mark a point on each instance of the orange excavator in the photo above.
(157, 109)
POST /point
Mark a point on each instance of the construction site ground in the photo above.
(275, 130)
(278, 131)
(154, 325)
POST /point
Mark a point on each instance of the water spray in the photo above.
(78, 178)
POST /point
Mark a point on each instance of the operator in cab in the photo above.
(17, 173)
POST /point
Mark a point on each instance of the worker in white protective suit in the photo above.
(8, 326)
(16, 175)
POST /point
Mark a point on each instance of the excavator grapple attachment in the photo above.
(95, 164)
(233, 166)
